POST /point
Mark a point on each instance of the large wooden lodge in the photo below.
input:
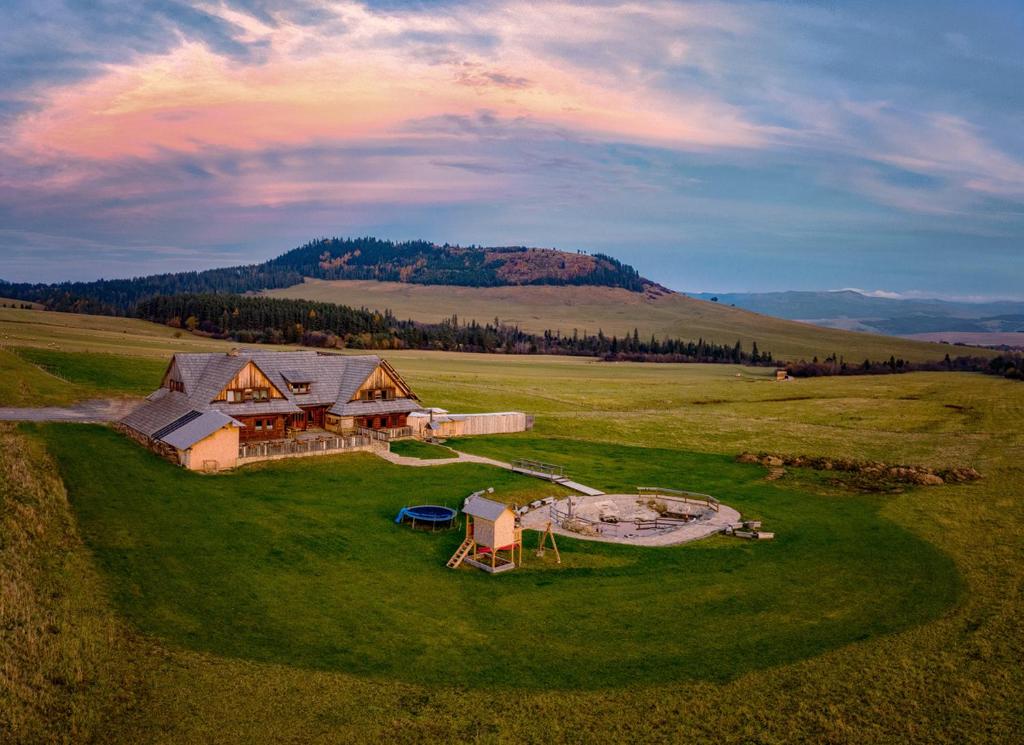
(215, 411)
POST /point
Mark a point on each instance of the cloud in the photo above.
(740, 127)
(366, 74)
(888, 295)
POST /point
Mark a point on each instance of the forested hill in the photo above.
(417, 262)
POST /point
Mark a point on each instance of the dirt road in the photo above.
(98, 410)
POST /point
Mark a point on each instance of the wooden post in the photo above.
(543, 543)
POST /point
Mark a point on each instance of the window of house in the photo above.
(258, 424)
(299, 387)
(234, 396)
(176, 385)
(260, 394)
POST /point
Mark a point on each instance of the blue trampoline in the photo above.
(427, 516)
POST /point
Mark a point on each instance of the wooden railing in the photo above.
(385, 434)
(300, 447)
(686, 497)
(548, 469)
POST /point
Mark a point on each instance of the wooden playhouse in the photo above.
(493, 536)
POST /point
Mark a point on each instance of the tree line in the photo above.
(1008, 365)
(250, 320)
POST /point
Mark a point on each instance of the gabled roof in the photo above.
(484, 508)
(197, 428)
(158, 411)
(334, 380)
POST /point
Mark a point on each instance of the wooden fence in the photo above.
(385, 435)
(304, 446)
(686, 497)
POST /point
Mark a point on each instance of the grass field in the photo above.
(160, 606)
(422, 450)
(615, 311)
(301, 563)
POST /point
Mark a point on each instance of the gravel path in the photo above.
(405, 460)
(98, 410)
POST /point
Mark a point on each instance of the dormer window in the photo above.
(298, 380)
(176, 385)
(238, 395)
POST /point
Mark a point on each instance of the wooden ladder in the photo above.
(461, 553)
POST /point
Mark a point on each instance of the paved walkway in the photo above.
(99, 410)
(588, 490)
(404, 460)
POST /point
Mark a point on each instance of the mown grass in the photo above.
(45, 377)
(422, 450)
(26, 384)
(103, 373)
(301, 563)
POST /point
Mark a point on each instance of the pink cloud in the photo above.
(362, 77)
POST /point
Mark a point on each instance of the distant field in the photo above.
(7, 302)
(614, 311)
(987, 338)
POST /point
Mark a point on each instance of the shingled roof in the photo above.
(196, 428)
(333, 381)
(483, 507)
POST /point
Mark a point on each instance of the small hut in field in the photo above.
(492, 536)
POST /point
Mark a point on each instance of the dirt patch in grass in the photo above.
(862, 475)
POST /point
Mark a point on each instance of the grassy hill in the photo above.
(615, 311)
(418, 262)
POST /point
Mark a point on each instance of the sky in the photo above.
(721, 146)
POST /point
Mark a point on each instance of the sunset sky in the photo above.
(715, 146)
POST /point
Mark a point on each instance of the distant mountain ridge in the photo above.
(420, 262)
(848, 309)
(416, 262)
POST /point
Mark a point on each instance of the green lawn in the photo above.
(419, 449)
(300, 563)
(46, 377)
(107, 373)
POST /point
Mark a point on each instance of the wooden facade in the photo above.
(383, 384)
(384, 421)
(252, 384)
(262, 427)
